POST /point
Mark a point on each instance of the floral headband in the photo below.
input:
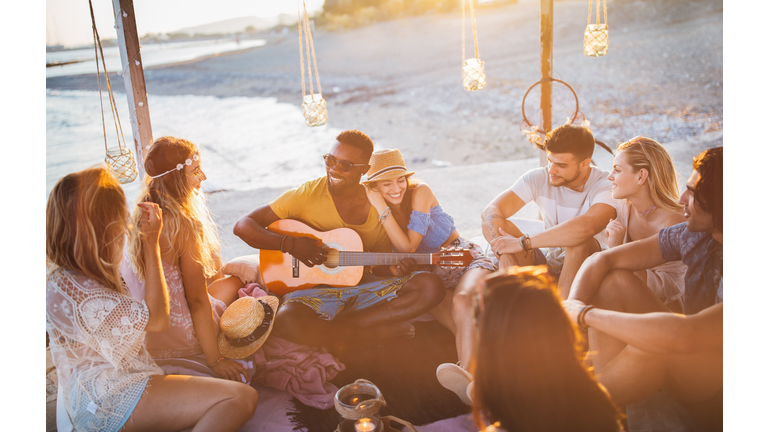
(179, 167)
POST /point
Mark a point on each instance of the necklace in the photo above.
(647, 211)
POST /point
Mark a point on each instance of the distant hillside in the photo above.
(239, 24)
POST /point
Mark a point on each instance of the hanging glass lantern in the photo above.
(313, 108)
(596, 35)
(122, 164)
(473, 74)
(472, 69)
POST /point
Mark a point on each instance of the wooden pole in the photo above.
(133, 77)
(547, 22)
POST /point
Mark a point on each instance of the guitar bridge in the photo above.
(295, 266)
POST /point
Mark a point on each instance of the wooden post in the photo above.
(133, 77)
(547, 22)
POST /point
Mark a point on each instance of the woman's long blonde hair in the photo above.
(527, 359)
(645, 153)
(86, 221)
(187, 222)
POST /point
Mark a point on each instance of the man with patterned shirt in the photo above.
(640, 345)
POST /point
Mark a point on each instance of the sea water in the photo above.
(245, 142)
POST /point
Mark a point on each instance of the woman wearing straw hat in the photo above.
(415, 222)
(107, 380)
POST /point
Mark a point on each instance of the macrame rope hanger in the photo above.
(120, 159)
(313, 105)
(596, 35)
(473, 70)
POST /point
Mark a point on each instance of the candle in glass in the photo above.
(365, 425)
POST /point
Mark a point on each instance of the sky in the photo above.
(68, 22)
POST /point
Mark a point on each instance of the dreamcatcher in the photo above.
(120, 159)
(564, 107)
(596, 35)
(472, 70)
(312, 105)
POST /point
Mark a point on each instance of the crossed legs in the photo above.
(299, 323)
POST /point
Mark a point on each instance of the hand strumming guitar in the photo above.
(307, 250)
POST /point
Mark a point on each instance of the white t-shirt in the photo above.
(558, 204)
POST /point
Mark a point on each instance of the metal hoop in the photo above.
(522, 107)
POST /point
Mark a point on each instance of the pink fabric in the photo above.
(302, 371)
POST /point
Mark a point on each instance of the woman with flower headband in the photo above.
(189, 244)
(107, 380)
(644, 181)
(527, 360)
(415, 222)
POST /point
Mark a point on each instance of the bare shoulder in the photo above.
(673, 218)
(422, 193)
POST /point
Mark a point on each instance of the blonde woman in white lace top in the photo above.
(644, 180)
(107, 379)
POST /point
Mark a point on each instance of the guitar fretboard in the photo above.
(377, 258)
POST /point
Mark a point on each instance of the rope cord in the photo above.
(112, 103)
(310, 50)
(463, 30)
(597, 12)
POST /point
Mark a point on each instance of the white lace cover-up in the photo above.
(97, 344)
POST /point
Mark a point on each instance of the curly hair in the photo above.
(708, 190)
(187, 223)
(527, 360)
(357, 139)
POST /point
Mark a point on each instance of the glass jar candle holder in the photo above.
(122, 163)
(596, 40)
(473, 74)
(358, 406)
(313, 108)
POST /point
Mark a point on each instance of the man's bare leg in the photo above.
(635, 375)
(299, 323)
(574, 258)
(443, 312)
(462, 312)
(620, 291)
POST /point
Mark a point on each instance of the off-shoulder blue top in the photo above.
(436, 226)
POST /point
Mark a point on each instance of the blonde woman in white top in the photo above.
(644, 180)
(107, 380)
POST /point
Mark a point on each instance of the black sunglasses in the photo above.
(331, 161)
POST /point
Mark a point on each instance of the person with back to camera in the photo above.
(527, 360)
(644, 181)
(640, 346)
(189, 244)
(419, 224)
(575, 203)
(107, 380)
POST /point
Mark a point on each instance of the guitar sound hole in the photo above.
(332, 258)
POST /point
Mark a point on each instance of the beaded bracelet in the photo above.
(216, 362)
(385, 215)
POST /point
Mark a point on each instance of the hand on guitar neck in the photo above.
(404, 267)
(307, 250)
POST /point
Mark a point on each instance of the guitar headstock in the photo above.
(452, 257)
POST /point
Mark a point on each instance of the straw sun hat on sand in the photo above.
(245, 325)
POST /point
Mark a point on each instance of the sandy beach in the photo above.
(662, 78)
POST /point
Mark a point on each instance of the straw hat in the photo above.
(386, 164)
(245, 325)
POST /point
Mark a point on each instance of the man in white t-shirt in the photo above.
(574, 199)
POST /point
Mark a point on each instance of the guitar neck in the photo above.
(347, 258)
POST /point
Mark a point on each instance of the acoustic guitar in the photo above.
(283, 273)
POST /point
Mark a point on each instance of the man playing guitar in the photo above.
(379, 306)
